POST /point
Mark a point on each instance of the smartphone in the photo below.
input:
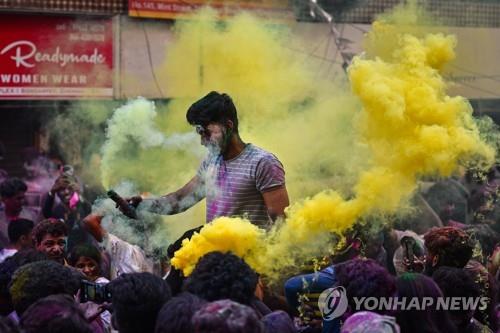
(94, 292)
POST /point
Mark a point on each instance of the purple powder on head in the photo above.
(226, 316)
(365, 321)
(278, 321)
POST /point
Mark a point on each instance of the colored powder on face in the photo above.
(412, 129)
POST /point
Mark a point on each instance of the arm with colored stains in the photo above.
(172, 203)
(178, 201)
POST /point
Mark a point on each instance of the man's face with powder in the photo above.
(213, 136)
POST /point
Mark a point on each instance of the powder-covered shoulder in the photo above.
(258, 154)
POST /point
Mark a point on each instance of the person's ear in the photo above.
(230, 125)
(435, 260)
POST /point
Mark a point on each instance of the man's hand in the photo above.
(93, 311)
(133, 201)
(124, 205)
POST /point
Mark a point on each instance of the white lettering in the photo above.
(470, 303)
(358, 302)
(18, 57)
(57, 78)
(385, 303)
(26, 78)
(484, 303)
(399, 303)
(373, 301)
(427, 301)
(455, 303)
(443, 303)
(413, 305)
(23, 57)
(5, 78)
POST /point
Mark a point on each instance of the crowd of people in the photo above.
(62, 271)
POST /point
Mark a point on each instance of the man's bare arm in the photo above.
(276, 201)
(178, 201)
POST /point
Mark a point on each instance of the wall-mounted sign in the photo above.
(47, 57)
(174, 9)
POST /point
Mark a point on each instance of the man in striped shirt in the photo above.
(238, 179)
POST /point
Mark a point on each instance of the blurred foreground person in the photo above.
(137, 299)
(455, 282)
(175, 316)
(55, 314)
(226, 316)
(20, 238)
(13, 196)
(422, 321)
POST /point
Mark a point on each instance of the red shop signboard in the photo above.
(47, 57)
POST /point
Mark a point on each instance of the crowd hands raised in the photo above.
(61, 271)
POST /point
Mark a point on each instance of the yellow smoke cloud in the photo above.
(411, 127)
(283, 107)
(226, 234)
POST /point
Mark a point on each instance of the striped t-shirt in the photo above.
(234, 187)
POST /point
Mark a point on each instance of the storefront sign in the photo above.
(174, 9)
(55, 57)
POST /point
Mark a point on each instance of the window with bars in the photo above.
(473, 13)
(99, 7)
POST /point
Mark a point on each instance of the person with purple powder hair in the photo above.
(226, 316)
(364, 278)
(430, 320)
(370, 322)
(278, 321)
(55, 314)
